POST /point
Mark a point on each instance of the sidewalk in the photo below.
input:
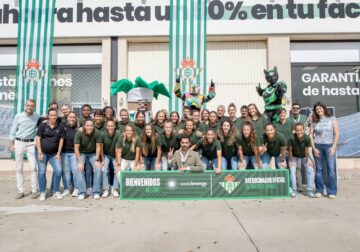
(299, 224)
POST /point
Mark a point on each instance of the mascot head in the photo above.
(271, 76)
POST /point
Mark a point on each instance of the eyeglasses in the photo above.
(295, 108)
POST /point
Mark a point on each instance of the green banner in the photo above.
(34, 53)
(207, 185)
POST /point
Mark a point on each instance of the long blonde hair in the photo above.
(133, 138)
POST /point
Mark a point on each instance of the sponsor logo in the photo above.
(230, 184)
(171, 184)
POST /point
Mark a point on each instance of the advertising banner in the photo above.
(91, 18)
(244, 184)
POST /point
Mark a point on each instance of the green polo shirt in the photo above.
(259, 125)
(239, 123)
(109, 142)
(82, 121)
(247, 147)
(286, 129)
(230, 150)
(102, 127)
(87, 143)
(214, 127)
(125, 147)
(167, 143)
(201, 127)
(121, 126)
(301, 118)
(193, 137)
(299, 145)
(152, 153)
(274, 146)
(208, 150)
(159, 128)
(139, 129)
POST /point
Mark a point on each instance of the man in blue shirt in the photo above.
(22, 135)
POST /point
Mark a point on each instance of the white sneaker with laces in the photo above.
(89, 191)
(96, 196)
(75, 193)
(57, 196)
(115, 193)
(42, 196)
(65, 193)
(81, 197)
(105, 194)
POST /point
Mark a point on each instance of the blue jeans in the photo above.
(56, 165)
(309, 174)
(230, 163)
(213, 164)
(105, 173)
(69, 168)
(149, 163)
(97, 174)
(250, 159)
(331, 184)
(266, 158)
(88, 174)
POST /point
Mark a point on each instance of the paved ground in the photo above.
(300, 224)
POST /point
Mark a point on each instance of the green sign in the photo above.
(206, 185)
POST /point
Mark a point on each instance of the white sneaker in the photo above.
(318, 195)
(96, 196)
(65, 193)
(105, 194)
(75, 193)
(57, 196)
(332, 196)
(89, 191)
(81, 197)
(115, 193)
(42, 196)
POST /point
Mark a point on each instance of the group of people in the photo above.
(88, 151)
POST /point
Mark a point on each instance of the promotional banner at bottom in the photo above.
(206, 185)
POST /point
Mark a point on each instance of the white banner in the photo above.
(93, 18)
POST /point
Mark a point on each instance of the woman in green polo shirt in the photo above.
(128, 150)
(205, 116)
(274, 146)
(211, 153)
(299, 145)
(87, 147)
(109, 139)
(160, 118)
(169, 144)
(227, 134)
(213, 124)
(190, 132)
(99, 120)
(249, 147)
(175, 119)
(259, 121)
(139, 123)
(150, 148)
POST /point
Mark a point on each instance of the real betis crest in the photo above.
(229, 185)
(188, 73)
(32, 72)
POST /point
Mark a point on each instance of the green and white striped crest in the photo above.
(34, 53)
(187, 41)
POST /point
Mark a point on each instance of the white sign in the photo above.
(92, 18)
